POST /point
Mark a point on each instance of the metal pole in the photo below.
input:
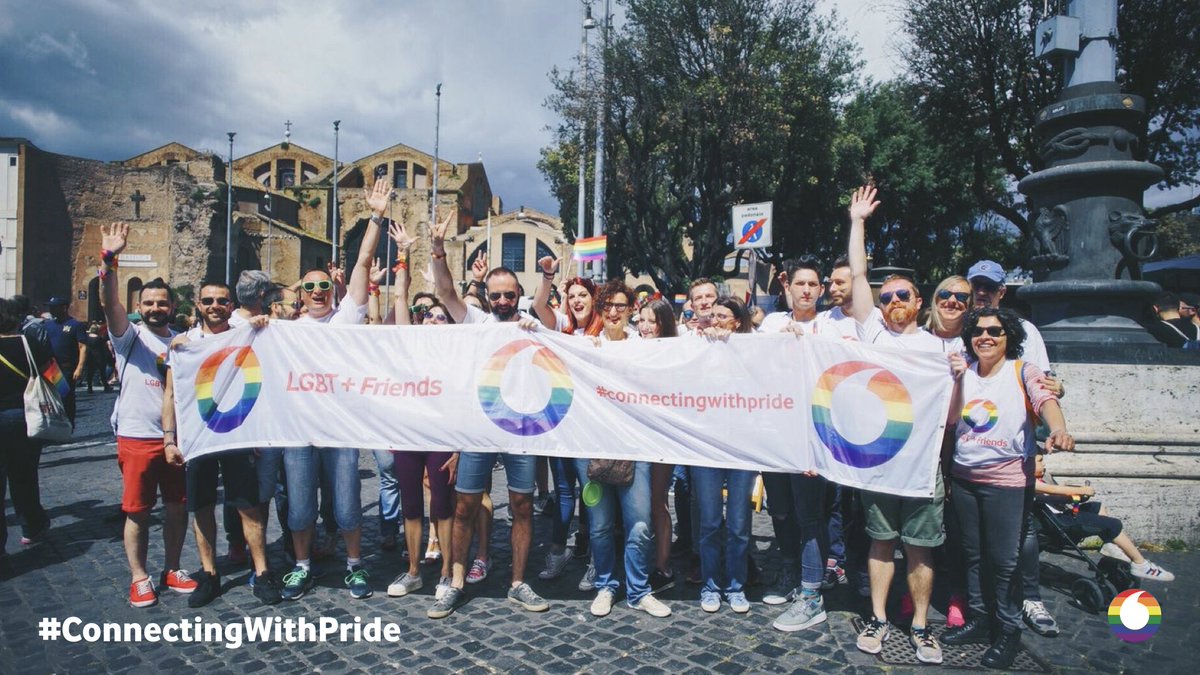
(489, 237)
(229, 211)
(334, 205)
(598, 187)
(581, 210)
(437, 128)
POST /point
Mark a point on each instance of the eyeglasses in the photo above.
(688, 315)
(220, 301)
(994, 331)
(945, 294)
(904, 295)
(310, 286)
(507, 295)
(295, 304)
(619, 306)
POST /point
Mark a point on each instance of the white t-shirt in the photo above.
(874, 331)
(476, 315)
(818, 325)
(1035, 347)
(138, 411)
(837, 321)
(346, 313)
(951, 345)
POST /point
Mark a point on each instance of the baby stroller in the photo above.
(1109, 577)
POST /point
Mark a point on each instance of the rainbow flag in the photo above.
(591, 249)
(55, 377)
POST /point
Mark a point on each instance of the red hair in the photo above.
(596, 322)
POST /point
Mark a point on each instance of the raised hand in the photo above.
(549, 265)
(863, 203)
(479, 268)
(438, 231)
(114, 237)
(399, 234)
(378, 197)
(378, 273)
(336, 274)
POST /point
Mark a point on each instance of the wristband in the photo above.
(108, 257)
(372, 288)
(400, 265)
(377, 219)
(437, 256)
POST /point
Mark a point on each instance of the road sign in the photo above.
(752, 225)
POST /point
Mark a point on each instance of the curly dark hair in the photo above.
(1009, 320)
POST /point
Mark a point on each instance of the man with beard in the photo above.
(917, 522)
(340, 465)
(237, 469)
(474, 468)
(137, 421)
(283, 303)
(839, 289)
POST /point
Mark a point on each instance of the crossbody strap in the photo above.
(13, 368)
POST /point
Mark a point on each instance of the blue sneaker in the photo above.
(710, 601)
(356, 581)
(738, 602)
(296, 583)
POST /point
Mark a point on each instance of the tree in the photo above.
(981, 85)
(709, 103)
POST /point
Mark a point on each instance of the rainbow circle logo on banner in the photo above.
(1134, 615)
(897, 404)
(222, 421)
(980, 414)
(491, 399)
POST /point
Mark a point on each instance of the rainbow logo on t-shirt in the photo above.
(1134, 615)
(980, 414)
(491, 399)
(897, 404)
(222, 421)
(54, 376)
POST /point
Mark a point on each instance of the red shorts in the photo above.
(144, 472)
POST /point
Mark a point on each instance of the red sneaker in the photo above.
(956, 612)
(178, 581)
(141, 593)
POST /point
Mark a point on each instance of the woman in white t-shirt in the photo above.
(951, 300)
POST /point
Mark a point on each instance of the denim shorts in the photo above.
(916, 521)
(474, 468)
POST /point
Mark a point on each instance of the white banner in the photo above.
(863, 416)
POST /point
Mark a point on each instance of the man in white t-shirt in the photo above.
(918, 523)
(839, 288)
(474, 468)
(987, 289)
(304, 465)
(137, 420)
(236, 468)
(802, 282)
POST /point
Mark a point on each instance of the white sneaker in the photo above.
(1111, 550)
(404, 584)
(1149, 570)
(588, 582)
(603, 603)
(443, 585)
(652, 606)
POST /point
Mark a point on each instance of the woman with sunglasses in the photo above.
(951, 300)
(729, 315)
(657, 320)
(615, 302)
(996, 400)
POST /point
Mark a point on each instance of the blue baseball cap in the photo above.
(58, 300)
(988, 269)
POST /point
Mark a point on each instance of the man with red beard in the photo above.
(137, 421)
(236, 467)
(917, 522)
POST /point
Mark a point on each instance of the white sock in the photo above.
(351, 563)
(304, 565)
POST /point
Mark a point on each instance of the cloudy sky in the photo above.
(109, 79)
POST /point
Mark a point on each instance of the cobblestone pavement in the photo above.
(81, 571)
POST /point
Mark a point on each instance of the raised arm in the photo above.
(113, 241)
(399, 234)
(377, 199)
(374, 313)
(541, 299)
(443, 283)
(862, 205)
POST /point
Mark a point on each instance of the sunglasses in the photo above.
(946, 295)
(994, 331)
(619, 306)
(323, 284)
(903, 294)
(436, 318)
(296, 304)
(419, 310)
(507, 295)
(220, 301)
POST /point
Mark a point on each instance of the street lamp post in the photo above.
(581, 209)
(598, 178)
(437, 129)
(229, 211)
(334, 205)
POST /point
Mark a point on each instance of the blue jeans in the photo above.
(565, 480)
(474, 468)
(340, 465)
(706, 490)
(639, 536)
(389, 494)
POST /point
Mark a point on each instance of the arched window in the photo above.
(262, 174)
(543, 251)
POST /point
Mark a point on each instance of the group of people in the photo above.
(1004, 390)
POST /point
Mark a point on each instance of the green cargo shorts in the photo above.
(916, 521)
